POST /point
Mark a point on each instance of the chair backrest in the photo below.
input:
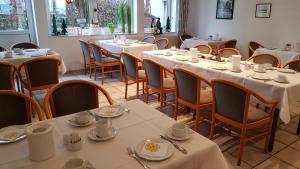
(230, 44)
(149, 39)
(8, 72)
(97, 53)
(41, 73)
(205, 49)
(295, 65)
(15, 108)
(162, 43)
(253, 46)
(188, 85)
(85, 47)
(184, 37)
(130, 65)
(25, 45)
(228, 52)
(2, 49)
(154, 73)
(73, 96)
(230, 100)
(266, 58)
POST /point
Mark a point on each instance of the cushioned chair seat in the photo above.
(109, 59)
(206, 95)
(142, 74)
(256, 114)
(169, 83)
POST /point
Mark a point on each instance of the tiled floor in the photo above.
(286, 154)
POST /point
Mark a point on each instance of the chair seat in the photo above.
(206, 95)
(256, 114)
(142, 74)
(109, 59)
(169, 83)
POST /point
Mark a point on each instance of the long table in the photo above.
(141, 122)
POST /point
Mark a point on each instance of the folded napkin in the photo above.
(11, 133)
(155, 149)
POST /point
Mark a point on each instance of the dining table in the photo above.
(285, 56)
(286, 94)
(190, 43)
(138, 123)
(133, 47)
(29, 54)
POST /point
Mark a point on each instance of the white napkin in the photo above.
(11, 133)
(155, 149)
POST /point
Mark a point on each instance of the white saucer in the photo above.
(92, 135)
(219, 67)
(193, 61)
(72, 122)
(278, 81)
(260, 77)
(170, 135)
(236, 71)
(12, 134)
(260, 71)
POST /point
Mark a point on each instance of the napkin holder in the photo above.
(40, 141)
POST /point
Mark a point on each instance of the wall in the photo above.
(283, 26)
(69, 47)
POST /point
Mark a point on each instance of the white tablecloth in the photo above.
(285, 56)
(134, 49)
(189, 43)
(140, 123)
(17, 60)
(287, 95)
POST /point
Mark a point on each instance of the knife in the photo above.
(181, 149)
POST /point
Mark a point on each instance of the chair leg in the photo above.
(197, 120)
(84, 68)
(147, 94)
(241, 150)
(95, 72)
(298, 129)
(143, 87)
(91, 67)
(268, 136)
(212, 128)
(176, 110)
(161, 102)
(102, 75)
(126, 88)
(137, 89)
(121, 72)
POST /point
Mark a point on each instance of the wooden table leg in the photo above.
(274, 126)
(298, 129)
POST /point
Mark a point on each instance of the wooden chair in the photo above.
(228, 52)
(133, 73)
(15, 108)
(295, 65)
(2, 49)
(103, 61)
(230, 44)
(158, 81)
(162, 43)
(87, 56)
(265, 58)
(9, 77)
(252, 46)
(231, 106)
(25, 45)
(73, 96)
(40, 74)
(205, 49)
(190, 92)
(184, 37)
(148, 39)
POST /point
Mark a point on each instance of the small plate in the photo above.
(282, 70)
(278, 81)
(236, 71)
(72, 122)
(260, 77)
(170, 135)
(93, 136)
(110, 111)
(170, 54)
(260, 71)
(18, 128)
(193, 61)
(139, 147)
(220, 67)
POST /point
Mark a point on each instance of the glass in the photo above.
(13, 15)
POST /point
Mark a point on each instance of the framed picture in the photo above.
(225, 9)
(263, 10)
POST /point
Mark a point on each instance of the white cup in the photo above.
(82, 117)
(173, 48)
(259, 68)
(282, 78)
(102, 127)
(75, 163)
(179, 130)
(168, 53)
(268, 65)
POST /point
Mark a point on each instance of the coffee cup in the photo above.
(282, 78)
(82, 117)
(75, 163)
(259, 68)
(268, 65)
(179, 130)
(168, 53)
(102, 127)
(173, 48)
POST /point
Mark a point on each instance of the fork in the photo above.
(131, 153)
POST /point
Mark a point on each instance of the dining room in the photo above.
(150, 84)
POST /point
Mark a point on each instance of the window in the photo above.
(91, 17)
(13, 15)
(155, 10)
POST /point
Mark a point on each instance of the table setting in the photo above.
(141, 137)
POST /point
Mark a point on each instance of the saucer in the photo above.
(219, 67)
(168, 54)
(12, 134)
(193, 61)
(263, 71)
(186, 137)
(236, 71)
(92, 135)
(278, 81)
(72, 122)
(260, 77)
(182, 58)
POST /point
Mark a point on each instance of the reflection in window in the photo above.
(13, 15)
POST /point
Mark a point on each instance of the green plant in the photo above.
(111, 27)
(122, 11)
(129, 18)
(64, 27)
(168, 26)
(54, 26)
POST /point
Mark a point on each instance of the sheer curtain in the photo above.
(183, 17)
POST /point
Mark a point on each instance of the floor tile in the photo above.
(285, 137)
(296, 145)
(233, 162)
(277, 146)
(274, 163)
(289, 155)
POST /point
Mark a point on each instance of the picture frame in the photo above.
(225, 9)
(263, 10)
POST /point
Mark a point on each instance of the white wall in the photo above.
(69, 47)
(283, 26)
